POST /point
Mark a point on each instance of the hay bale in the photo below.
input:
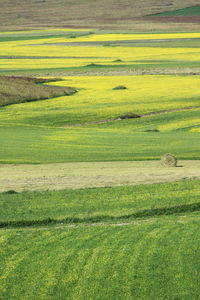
(169, 160)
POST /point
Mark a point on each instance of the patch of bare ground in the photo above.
(15, 90)
(104, 72)
(59, 176)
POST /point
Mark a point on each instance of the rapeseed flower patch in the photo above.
(54, 47)
(96, 99)
(129, 37)
(184, 124)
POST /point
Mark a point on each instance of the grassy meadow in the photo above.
(98, 204)
(188, 11)
(114, 240)
(144, 243)
(152, 259)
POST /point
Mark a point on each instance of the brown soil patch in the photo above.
(15, 90)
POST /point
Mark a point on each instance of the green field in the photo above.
(188, 11)
(158, 80)
(147, 245)
(87, 211)
(92, 205)
(134, 139)
(151, 259)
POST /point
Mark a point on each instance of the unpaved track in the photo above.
(59, 176)
(141, 116)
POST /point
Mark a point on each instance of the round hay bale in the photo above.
(169, 160)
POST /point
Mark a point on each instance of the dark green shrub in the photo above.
(10, 192)
(129, 115)
(120, 87)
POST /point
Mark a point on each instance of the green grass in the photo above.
(18, 90)
(136, 139)
(44, 35)
(33, 145)
(188, 11)
(175, 43)
(98, 204)
(155, 259)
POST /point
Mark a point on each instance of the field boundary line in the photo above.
(139, 116)
(180, 219)
(142, 214)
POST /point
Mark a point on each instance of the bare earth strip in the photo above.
(126, 72)
(92, 174)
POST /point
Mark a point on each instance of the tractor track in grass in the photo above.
(139, 116)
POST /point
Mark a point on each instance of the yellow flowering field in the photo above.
(197, 129)
(54, 47)
(129, 37)
(183, 124)
(41, 63)
(96, 99)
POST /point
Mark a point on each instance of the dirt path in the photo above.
(141, 116)
(59, 176)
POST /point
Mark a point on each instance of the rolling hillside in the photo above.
(96, 13)
(88, 210)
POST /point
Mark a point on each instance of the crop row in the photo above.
(154, 259)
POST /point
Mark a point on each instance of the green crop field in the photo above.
(90, 205)
(151, 259)
(87, 210)
(188, 11)
(106, 143)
